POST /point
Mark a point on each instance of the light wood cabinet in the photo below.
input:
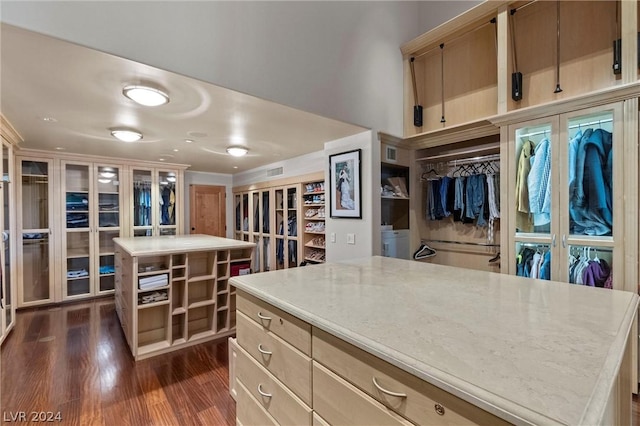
(299, 374)
(173, 292)
(272, 215)
(92, 214)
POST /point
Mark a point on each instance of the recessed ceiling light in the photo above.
(50, 120)
(235, 167)
(60, 148)
(188, 140)
(126, 135)
(161, 159)
(175, 150)
(237, 150)
(145, 95)
(171, 178)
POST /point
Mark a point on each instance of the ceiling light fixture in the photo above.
(126, 135)
(237, 150)
(145, 95)
(107, 174)
(171, 179)
(104, 180)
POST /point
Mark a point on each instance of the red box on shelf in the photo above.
(240, 269)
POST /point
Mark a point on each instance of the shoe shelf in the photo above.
(178, 296)
(314, 214)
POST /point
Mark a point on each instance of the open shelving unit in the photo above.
(313, 213)
(195, 302)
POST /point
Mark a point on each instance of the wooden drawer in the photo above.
(290, 366)
(249, 412)
(281, 403)
(294, 331)
(424, 403)
(340, 403)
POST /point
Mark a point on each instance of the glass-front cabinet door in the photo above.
(6, 298)
(34, 223)
(563, 193)
(155, 207)
(78, 225)
(591, 212)
(107, 224)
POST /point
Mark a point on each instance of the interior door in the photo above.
(207, 206)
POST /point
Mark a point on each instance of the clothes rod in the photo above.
(462, 153)
(453, 40)
(483, 159)
(462, 243)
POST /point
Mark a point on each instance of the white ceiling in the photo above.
(81, 89)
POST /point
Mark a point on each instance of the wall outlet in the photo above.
(351, 238)
(333, 237)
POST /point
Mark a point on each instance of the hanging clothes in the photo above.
(539, 184)
(523, 221)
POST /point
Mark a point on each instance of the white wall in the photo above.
(301, 165)
(364, 229)
(336, 59)
(202, 178)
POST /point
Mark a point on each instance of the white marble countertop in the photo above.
(144, 246)
(529, 351)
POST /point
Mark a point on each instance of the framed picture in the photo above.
(345, 199)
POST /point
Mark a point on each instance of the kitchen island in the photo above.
(173, 291)
(389, 341)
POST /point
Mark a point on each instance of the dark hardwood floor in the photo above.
(74, 359)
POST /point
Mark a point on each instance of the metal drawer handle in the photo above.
(263, 393)
(439, 409)
(262, 351)
(388, 392)
(263, 317)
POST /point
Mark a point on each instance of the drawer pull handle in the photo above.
(388, 392)
(263, 393)
(262, 351)
(439, 409)
(263, 317)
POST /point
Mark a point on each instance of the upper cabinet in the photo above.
(501, 57)
(157, 207)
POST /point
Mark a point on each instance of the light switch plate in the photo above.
(351, 238)
(333, 237)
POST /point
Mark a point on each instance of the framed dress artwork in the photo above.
(345, 188)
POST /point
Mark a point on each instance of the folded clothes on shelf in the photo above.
(77, 273)
(154, 281)
(156, 296)
(107, 269)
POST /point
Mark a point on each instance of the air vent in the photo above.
(391, 154)
(275, 172)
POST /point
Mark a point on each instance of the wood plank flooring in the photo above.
(74, 359)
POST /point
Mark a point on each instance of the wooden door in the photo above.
(207, 205)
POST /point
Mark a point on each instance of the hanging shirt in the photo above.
(523, 222)
(539, 184)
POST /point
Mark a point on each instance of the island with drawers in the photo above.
(389, 341)
(173, 291)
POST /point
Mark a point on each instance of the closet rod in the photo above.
(448, 42)
(461, 242)
(482, 159)
(515, 9)
(462, 153)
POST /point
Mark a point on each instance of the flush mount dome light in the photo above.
(126, 135)
(237, 150)
(145, 95)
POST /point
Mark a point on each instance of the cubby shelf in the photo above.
(198, 307)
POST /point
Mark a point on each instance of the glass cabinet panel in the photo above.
(238, 213)
(78, 210)
(6, 241)
(265, 212)
(142, 207)
(590, 180)
(109, 226)
(167, 182)
(533, 260)
(533, 179)
(34, 225)
(591, 266)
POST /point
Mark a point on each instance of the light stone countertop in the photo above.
(529, 351)
(145, 246)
